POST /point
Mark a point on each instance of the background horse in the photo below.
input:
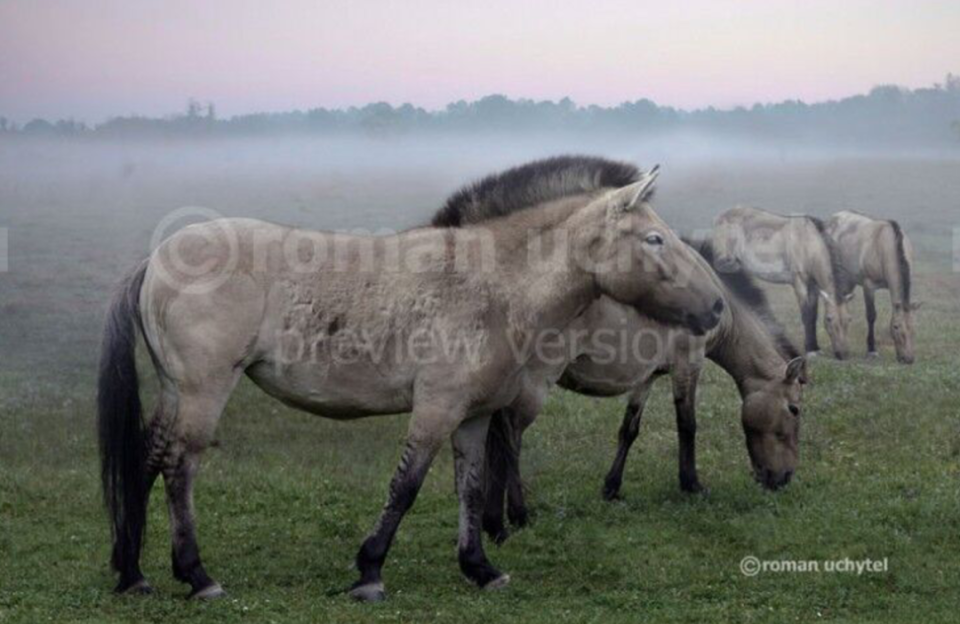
(749, 344)
(789, 250)
(362, 326)
(877, 254)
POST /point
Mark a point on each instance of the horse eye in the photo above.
(654, 239)
(794, 410)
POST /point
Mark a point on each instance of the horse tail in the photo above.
(120, 427)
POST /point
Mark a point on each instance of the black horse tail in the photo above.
(121, 430)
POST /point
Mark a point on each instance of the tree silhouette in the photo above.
(888, 115)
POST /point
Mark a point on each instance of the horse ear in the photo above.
(625, 198)
(796, 370)
(825, 295)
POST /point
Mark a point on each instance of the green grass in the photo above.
(284, 502)
(285, 499)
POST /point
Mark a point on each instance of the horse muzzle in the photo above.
(772, 480)
(702, 323)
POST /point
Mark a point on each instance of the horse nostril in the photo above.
(718, 307)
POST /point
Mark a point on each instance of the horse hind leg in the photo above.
(870, 304)
(192, 430)
(132, 580)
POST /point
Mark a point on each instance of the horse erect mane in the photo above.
(745, 289)
(530, 184)
(902, 261)
(842, 279)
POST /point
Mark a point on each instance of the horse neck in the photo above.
(892, 274)
(548, 289)
(820, 268)
(744, 347)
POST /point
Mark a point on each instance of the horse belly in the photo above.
(333, 394)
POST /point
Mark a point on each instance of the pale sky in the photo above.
(91, 59)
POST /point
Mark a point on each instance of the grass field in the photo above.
(286, 498)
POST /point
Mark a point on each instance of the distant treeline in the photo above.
(887, 115)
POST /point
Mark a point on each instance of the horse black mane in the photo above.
(902, 260)
(745, 289)
(842, 280)
(533, 183)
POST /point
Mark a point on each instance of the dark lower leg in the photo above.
(132, 579)
(685, 401)
(404, 487)
(185, 555)
(871, 308)
(499, 456)
(469, 448)
(516, 499)
(629, 430)
(809, 313)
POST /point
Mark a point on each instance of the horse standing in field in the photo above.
(792, 250)
(749, 344)
(363, 326)
(877, 254)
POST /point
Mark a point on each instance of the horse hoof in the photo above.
(371, 592)
(873, 354)
(519, 518)
(500, 537)
(210, 592)
(813, 354)
(498, 583)
(611, 495)
(140, 588)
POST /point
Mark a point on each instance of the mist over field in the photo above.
(80, 212)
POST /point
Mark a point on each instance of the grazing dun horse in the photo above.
(352, 326)
(749, 344)
(792, 250)
(877, 254)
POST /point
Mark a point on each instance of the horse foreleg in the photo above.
(469, 444)
(516, 499)
(685, 401)
(870, 304)
(424, 440)
(629, 430)
(523, 414)
(500, 456)
(808, 300)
